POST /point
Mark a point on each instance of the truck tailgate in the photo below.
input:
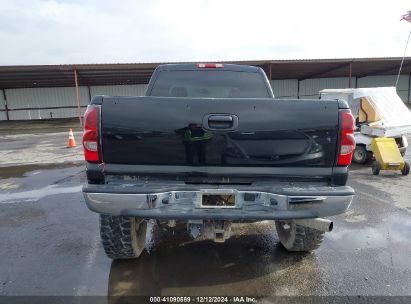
(219, 132)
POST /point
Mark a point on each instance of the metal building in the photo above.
(60, 91)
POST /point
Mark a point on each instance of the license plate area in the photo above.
(218, 199)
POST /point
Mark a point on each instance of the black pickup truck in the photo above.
(210, 145)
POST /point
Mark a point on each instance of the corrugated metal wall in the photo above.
(43, 103)
(27, 101)
(119, 90)
(287, 88)
(309, 88)
(381, 81)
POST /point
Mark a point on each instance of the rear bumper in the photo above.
(252, 203)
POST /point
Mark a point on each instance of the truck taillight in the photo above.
(347, 140)
(210, 65)
(90, 135)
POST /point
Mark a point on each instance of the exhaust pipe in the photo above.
(316, 223)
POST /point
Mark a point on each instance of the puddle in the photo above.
(352, 239)
(22, 170)
(388, 240)
(34, 195)
(392, 230)
(251, 262)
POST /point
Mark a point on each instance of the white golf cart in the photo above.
(378, 112)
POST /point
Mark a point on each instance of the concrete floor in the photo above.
(50, 241)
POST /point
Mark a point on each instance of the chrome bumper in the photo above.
(250, 205)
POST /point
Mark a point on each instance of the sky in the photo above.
(128, 31)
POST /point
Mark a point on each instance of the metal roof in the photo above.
(29, 76)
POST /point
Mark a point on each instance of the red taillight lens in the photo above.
(90, 135)
(347, 141)
(210, 65)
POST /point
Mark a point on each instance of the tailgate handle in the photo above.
(224, 122)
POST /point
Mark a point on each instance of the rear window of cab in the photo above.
(210, 84)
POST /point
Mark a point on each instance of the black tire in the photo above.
(298, 238)
(376, 168)
(122, 237)
(406, 169)
(361, 155)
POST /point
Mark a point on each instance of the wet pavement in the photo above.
(18, 150)
(50, 245)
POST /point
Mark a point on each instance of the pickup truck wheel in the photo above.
(298, 238)
(122, 237)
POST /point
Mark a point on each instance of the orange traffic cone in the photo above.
(71, 141)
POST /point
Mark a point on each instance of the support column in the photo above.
(6, 108)
(298, 88)
(78, 98)
(349, 76)
(271, 76)
(89, 93)
(409, 85)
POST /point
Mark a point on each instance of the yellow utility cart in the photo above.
(388, 156)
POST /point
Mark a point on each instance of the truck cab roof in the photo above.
(196, 66)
